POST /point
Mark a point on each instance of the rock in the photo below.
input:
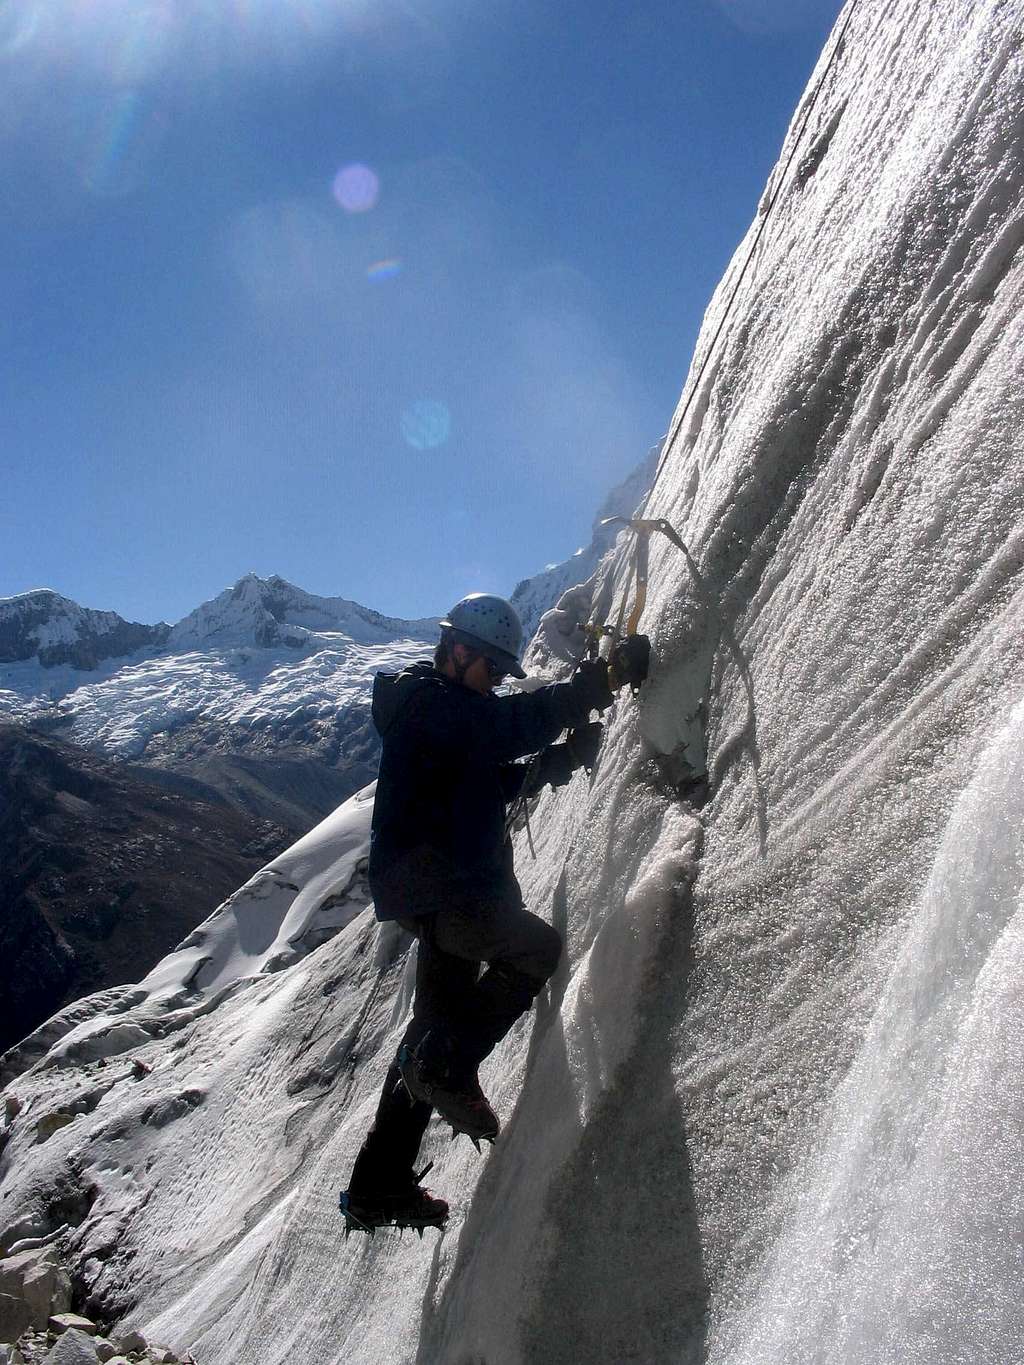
(37, 1277)
(12, 1108)
(72, 1348)
(131, 1340)
(171, 1107)
(15, 1317)
(52, 1123)
(162, 1355)
(68, 1322)
(105, 1349)
(110, 1041)
(119, 1360)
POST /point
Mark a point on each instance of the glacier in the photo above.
(769, 1109)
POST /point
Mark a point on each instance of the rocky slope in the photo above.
(102, 872)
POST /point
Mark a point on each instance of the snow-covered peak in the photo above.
(262, 657)
(263, 612)
(42, 624)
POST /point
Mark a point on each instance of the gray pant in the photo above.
(459, 1017)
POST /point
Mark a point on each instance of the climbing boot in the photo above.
(463, 1105)
(404, 1205)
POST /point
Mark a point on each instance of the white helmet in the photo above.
(492, 625)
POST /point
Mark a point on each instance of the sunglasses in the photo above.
(495, 672)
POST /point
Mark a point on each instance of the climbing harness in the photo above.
(521, 805)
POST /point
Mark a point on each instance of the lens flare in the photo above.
(426, 424)
(384, 270)
(356, 188)
(19, 27)
(121, 145)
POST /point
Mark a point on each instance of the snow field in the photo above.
(124, 710)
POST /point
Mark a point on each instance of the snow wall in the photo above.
(770, 1110)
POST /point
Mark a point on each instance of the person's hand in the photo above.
(592, 684)
(629, 662)
(583, 742)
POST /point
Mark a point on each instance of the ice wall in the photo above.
(849, 482)
(769, 1109)
(903, 1235)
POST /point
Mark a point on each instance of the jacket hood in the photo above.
(392, 692)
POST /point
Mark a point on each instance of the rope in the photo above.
(675, 428)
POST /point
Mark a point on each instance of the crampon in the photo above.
(474, 1133)
(411, 1208)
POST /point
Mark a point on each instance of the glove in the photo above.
(629, 662)
(558, 762)
(590, 683)
(556, 766)
(583, 743)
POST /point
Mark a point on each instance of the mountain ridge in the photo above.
(261, 693)
(54, 629)
(44, 624)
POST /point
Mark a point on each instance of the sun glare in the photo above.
(132, 42)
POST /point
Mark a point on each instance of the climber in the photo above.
(441, 864)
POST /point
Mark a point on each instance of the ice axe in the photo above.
(630, 652)
(629, 658)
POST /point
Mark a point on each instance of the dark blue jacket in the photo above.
(446, 777)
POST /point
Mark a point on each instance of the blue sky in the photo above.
(380, 295)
